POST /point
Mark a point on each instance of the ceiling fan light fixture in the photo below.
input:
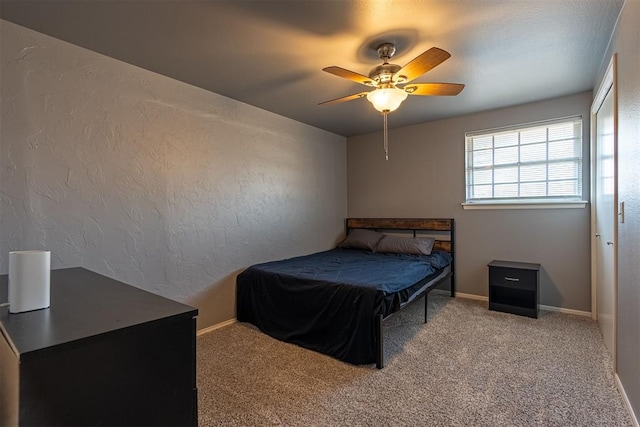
(387, 99)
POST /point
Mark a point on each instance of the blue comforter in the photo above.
(328, 301)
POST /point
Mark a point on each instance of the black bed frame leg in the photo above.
(426, 300)
(379, 343)
(453, 286)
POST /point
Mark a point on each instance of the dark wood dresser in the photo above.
(104, 354)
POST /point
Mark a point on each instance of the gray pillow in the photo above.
(405, 245)
(360, 238)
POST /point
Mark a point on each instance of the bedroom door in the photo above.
(605, 204)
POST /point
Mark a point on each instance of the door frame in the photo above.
(608, 83)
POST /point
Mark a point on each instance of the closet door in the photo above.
(604, 179)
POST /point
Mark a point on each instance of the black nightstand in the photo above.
(514, 287)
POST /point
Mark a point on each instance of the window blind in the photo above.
(539, 161)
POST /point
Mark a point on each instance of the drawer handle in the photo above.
(512, 279)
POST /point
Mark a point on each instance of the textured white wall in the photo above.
(153, 182)
(425, 177)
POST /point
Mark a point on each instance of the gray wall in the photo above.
(626, 43)
(154, 182)
(424, 177)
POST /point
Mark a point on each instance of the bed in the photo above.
(335, 302)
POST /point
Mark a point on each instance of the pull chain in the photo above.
(386, 137)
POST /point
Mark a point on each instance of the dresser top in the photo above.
(84, 305)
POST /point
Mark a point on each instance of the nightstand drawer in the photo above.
(513, 278)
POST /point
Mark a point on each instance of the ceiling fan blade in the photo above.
(350, 75)
(345, 98)
(423, 63)
(434, 89)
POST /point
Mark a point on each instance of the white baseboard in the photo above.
(634, 419)
(541, 307)
(565, 310)
(216, 326)
(472, 296)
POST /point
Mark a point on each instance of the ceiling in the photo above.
(270, 53)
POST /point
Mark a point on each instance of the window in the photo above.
(534, 163)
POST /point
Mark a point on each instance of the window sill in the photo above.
(579, 204)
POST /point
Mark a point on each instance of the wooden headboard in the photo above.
(410, 224)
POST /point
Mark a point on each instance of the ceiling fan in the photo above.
(392, 83)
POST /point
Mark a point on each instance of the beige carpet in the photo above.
(467, 367)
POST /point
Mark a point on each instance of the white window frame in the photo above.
(545, 202)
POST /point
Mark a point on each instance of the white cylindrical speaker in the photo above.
(29, 276)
